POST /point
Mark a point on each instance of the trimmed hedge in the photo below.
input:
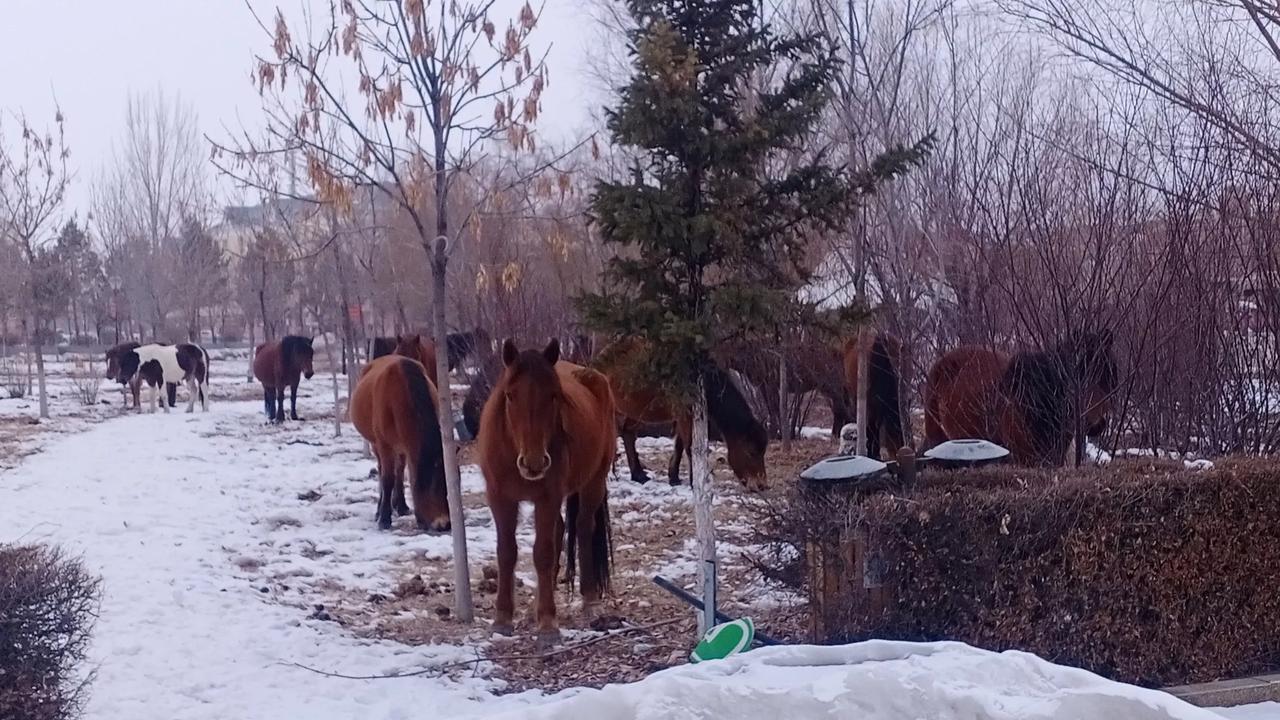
(48, 604)
(1154, 577)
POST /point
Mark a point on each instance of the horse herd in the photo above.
(546, 428)
(546, 425)
(277, 365)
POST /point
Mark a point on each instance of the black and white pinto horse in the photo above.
(168, 366)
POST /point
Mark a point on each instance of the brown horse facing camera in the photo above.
(279, 364)
(1026, 402)
(394, 408)
(549, 438)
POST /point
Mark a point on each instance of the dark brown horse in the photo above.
(475, 343)
(549, 438)
(1030, 402)
(813, 364)
(744, 437)
(279, 364)
(132, 382)
(394, 408)
(884, 414)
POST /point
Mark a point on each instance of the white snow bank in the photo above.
(875, 680)
(1260, 711)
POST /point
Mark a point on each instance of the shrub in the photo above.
(1153, 577)
(48, 603)
(86, 380)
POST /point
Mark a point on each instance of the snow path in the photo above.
(156, 503)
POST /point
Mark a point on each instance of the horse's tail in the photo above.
(1033, 382)
(428, 468)
(601, 542)
(882, 380)
(204, 380)
(730, 410)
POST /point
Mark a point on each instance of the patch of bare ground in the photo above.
(640, 629)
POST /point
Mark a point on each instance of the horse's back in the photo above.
(630, 398)
(963, 394)
(383, 404)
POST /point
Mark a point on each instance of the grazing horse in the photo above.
(745, 438)
(549, 438)
(129, 384)
(279, 364)
(884, 414)
(394, 408)
(166, 366)
(1029, 402)
(813, 364)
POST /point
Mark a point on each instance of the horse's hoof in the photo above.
(675, 481)
(402, 510)
(439, 525)
(504, 629)
(384, 523)
(295, 418)
(639, 479)
(547, 639)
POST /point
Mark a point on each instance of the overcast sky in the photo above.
(88, 54)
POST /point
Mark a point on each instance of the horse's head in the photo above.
(122, 362)
(532, 395)
(300, 353)
(410, 346)
(746, 458)
(1093, 363)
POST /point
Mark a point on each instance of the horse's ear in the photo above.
(552, 352)
(509, 352)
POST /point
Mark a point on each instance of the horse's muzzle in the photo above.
(309, 375)
(533, 473)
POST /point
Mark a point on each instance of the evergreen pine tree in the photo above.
(709, 245)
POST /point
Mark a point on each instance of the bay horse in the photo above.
(1029, 402)
(744, 437)
(813, 364)
(279, 364)
(394, 408)
(129, 385)
(884, 414)
(166, 366)
(550, 439)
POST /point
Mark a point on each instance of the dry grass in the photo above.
(652, 528)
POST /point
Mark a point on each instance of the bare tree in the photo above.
(153, 182)
(33, 185)
(434, 84)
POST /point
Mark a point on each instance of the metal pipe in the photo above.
(684, 595)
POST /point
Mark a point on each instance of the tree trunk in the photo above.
(703, 493)
(453, 479)
(248, 376)
(784, 417)
(40, 380)
(338, 415)
(864, 372)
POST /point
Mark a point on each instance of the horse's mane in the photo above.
(729, 408)
(1088, 358)
(427, 468)
(1034, 382)
(292, 346)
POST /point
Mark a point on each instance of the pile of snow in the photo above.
(875, 680)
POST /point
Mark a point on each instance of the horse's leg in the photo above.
(293, 402)
(280, 404)
(873, 435)
(269, 400)
(628, 433)
(546, 519)
(684, 444)
(397, 490)
(505, 517)
(192, 389)
(388, 459)
(135, 388)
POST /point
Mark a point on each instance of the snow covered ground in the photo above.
(190, 518)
